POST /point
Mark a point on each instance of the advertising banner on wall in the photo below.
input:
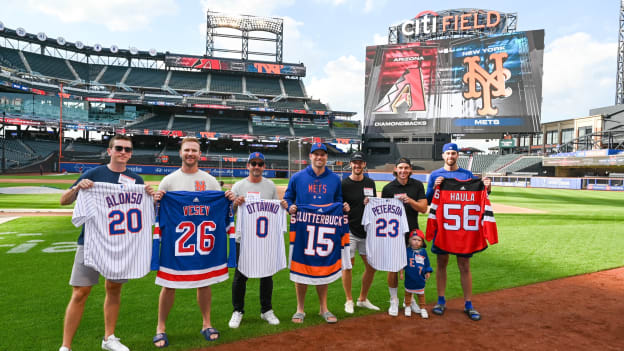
(461, 85)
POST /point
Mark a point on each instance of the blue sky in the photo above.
(329, 37)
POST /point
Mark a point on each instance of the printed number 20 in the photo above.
(133, 218)
(466, 221)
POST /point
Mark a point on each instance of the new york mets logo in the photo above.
(492, 85)
(200, 185)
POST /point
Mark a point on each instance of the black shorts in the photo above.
(438, 251)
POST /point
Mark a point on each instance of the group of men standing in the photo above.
(314, 185)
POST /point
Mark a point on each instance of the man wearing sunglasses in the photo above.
(254, 186)
(83, 278)
(187, 178)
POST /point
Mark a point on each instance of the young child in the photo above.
(417, 272)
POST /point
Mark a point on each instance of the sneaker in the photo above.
(113, 344)
(268, 316)
(423, 313)
(367, 304)
(408, 312)
(414, 307)
(394, 308)
(349, 306)
(64, 348)
(236, 319)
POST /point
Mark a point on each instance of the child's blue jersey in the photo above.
(417, 266)
(191, 239)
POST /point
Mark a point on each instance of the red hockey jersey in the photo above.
(461, 218)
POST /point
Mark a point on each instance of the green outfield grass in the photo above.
(580, 233)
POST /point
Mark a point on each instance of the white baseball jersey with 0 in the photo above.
(118, 221)
(262, 224)
(385, 223)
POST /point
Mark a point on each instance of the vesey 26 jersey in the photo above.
(191, 239)
(461, 220)
(319, 244)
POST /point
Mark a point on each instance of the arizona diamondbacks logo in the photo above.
(492, 85)
(407, 91)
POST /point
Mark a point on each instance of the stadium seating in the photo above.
(226, 83)
(293, 87)
(17, 154)
(482, 162)
(500, 162)
(522, 164)
(316, 105)
(10, 58)
(145, 77)
(183, 80)
(156, 122)
(189, 124)
(49, 66)
(83, 70)
(42, 147)
(244, 104)
(463, 162)
(112, 75)
(127, 96)
(263, 86)
(229, 125)
(288, 105)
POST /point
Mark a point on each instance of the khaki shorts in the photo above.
(358, 244)
(85, 276)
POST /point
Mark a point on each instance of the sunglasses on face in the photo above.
(123, 148)
(254, 164)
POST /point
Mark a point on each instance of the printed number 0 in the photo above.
(133, 217)
(262, 227)
(204, 239)
(467, 221)
(324, 246)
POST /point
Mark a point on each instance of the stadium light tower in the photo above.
(619, 82)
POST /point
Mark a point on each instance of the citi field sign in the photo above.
(454, 22)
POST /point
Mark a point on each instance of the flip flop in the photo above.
(473, 314)
(208, 332)
(299, 316)
(161, 337)
(327, 315)
(439, 309)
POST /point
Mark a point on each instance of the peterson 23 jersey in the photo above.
(461, 218)
(385, 223)
(262, 224)
(191, 239)
(319, 244)
(118, 221)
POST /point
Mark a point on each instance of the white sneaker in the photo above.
(64, 348)
(394, 308)
(349, 306)
(408, 312)
(414, 306)
(113, 344)
(268, 316)
(236, 319)
(367, 304)
(423, 313)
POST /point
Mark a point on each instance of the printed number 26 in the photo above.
(204, 239)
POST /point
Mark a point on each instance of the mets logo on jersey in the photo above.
(200, 185)
(492, 85)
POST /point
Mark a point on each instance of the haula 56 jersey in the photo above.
(191, 239)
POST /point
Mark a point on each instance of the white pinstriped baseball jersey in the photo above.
(385, 223)
(262, 224)
(118, 222)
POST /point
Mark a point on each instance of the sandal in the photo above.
(161, 337)
(208, 332)
(298, 317)
(327, 315)
(473, 314)
(439, 309)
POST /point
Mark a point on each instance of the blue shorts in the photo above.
(438, 251)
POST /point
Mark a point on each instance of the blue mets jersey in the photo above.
(191, 239)
(417, 266)
(319, 244)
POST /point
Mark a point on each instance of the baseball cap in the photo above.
(420, 234)
(357, 156)
(450, 146)
(318, 146)
(403, 160)
(255, 155)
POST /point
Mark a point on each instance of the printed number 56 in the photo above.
(466, 221)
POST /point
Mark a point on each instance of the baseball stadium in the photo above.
(441, 80)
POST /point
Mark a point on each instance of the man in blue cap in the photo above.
(450, 154)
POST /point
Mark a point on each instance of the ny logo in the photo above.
(200, 185)
(491, 85)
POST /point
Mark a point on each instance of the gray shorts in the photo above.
(358, 244)
(82, 275)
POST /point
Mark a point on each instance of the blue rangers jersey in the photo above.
(319, 244)
(190, 239)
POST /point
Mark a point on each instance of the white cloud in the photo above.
(116, 15)
(342, 86)
(579, 74)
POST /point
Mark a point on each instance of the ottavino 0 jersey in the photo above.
(191, 239)
(385, 223)
(118, 221)
(319, 244)
(461, 220)
(262, 224)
